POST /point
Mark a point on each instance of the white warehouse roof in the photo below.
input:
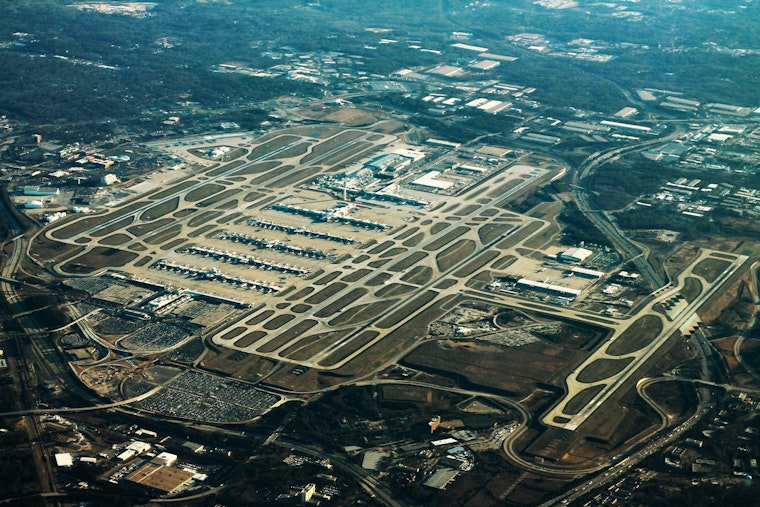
(64, 460)
(576, 254)
(430, 179)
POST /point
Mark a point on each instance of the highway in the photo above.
(25, 371)
(583, 197)
(751, 326)
(370, 484)
(615, 470)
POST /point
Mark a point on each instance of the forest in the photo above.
(60, 64)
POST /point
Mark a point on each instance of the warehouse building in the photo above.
(159, 478)
(546, 288)
(575, 255)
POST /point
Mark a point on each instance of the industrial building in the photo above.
(430, 181)
(575, 254)
(554, 290)
(63, 460)
(160, 478)
(390, 162)
(441, 478)
(587, 273)
(39, 191)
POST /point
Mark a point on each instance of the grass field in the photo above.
(326, 293)
(280, 340)
(144, 261)
(259, 167)
(259, 317)
(692, 288)
(415, 240)
(232, 333)
(295, 177)
(110, 229)
(341, 303)
(203, 217)
(467, 210)
(474, 265)
(301, 294)
(638, 335)
(203, 192)
(382, 246)
(249, 339)
(173, 244)
(306, 347)
(355, 344)
(325, 147)
(602, 369)
(329, 277)
(228, 167)
(408, 262)
(394, 289)
(455, 254)
(405, 233)
(446, 239)
(176, 189)
(97, 258)
(357, 275)
(115, 240)
(393, 252)
(160, 210)
(143, 228)
(271, 145)
(165, 235)
(490, 232)
(184, 213)
(504, 262)
(419, 275)
(201, 231)
(436, 228)
(402, 313)
(582, 399)
(295, 151)
(349, 155)
(278, 321)
(219, 197)
(710, 269)
(361, 313)
(516, 371)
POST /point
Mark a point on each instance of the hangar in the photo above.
(575, 255)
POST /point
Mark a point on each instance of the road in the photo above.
(682, 321)
(751, 326)
(615, 470)
(25, 372)
(377, 490)
(583, 198)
